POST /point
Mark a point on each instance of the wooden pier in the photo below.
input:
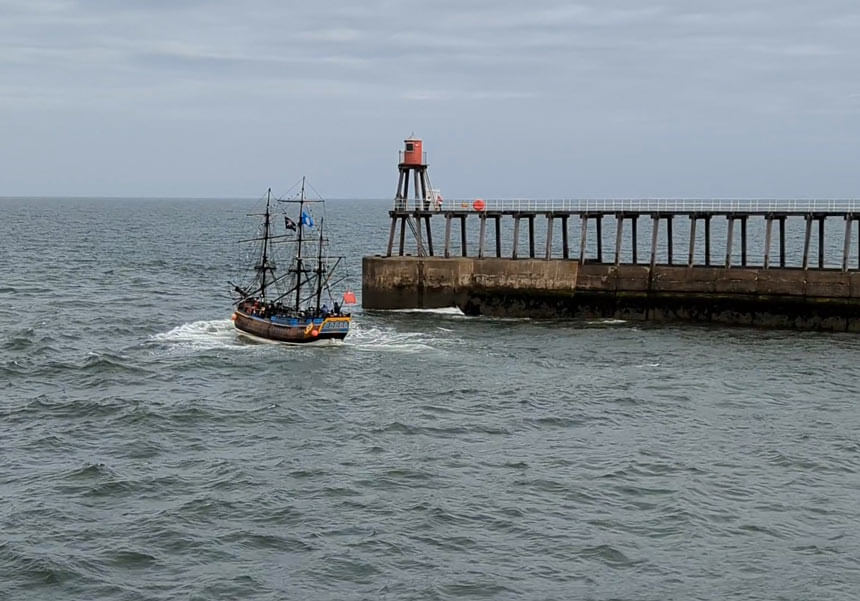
(660, 219)
(792, 264)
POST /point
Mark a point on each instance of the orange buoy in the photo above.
(479, 204)
(315, 332)
(233, 317)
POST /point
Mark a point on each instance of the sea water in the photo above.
(149, 452)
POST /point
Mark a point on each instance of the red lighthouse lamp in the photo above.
(413, 153)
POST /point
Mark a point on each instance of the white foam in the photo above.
(387, 339)
(455, 311)
(220, 333)
(201, 335)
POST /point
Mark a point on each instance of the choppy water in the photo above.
(150, 453)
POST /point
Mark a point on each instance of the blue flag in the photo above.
(307, 220)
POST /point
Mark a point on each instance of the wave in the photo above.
(19, 340)
(45, 406)
(376, 338)
(606, 322)
(220, 334)
(454, 311)
(34, 567)
(201, 336)
(106, 362)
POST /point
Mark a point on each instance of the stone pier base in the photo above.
(786, 298)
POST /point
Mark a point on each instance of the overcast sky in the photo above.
(546, 99)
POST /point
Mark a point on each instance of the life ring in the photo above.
(479, 204)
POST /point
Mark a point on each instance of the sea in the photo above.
(147, 451)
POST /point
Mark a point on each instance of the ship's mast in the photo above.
(299, 270)
(264, 263)
(320, 267)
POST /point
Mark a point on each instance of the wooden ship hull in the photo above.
(291, 329)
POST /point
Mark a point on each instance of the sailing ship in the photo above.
(292, 306)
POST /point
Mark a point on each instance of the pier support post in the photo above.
(403, 231)
(635, 223)
(731, 227)
(463, 235)
(743, 241)
(693, 220)
(416, 229)
(429, 235)
(670, 244)
(600, 238)
(846, 247)
(619, 229)
(498, 219)
(782, 241)
(516, 237)
(707, 219)
(447, 235)
(655, 229)
(821, 241)
(806, 238)
(565, 251)
(549, 220)
(531, 219)
(391, 233)
(481, 234)
(583, 232)
(768, 230)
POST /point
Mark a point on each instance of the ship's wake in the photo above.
(385, 338)
(448, 311)
(201, 336)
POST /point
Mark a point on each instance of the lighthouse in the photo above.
(413, 163)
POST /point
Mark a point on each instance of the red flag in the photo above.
(348, 298)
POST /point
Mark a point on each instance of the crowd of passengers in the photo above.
(265, 310)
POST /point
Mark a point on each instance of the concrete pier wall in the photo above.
(788, 298)
(432, 282)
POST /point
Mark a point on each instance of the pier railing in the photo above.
(646, 205)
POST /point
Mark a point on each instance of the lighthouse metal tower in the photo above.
(413, 165)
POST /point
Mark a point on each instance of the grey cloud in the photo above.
(623, 97)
